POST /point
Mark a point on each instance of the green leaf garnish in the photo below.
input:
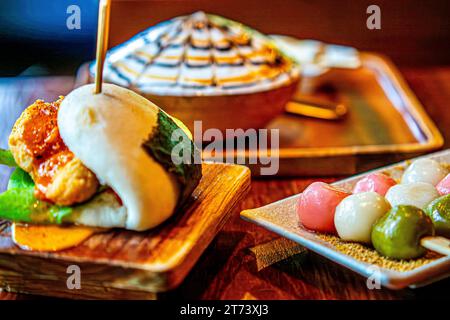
(6, 158)
(20, 179)
(19, 204)
(160, 146)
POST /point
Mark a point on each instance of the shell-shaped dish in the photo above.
(199, 55)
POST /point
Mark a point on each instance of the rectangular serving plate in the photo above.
(281, 218)
(122, 264)
(385, 123)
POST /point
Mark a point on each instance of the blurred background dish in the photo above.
(206, 67)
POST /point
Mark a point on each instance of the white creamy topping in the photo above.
(106, 131)
(199, 54)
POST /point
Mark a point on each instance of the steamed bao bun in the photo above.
(424, 170)
(356, 214)
(106, 132)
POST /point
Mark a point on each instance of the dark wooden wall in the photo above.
(33, 33)
(413, 32)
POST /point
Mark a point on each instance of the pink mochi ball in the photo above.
(443, 187)
(316, 206)
(374, 182)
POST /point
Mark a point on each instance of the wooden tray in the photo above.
(122, 264)
(281, 218)
(385, 123)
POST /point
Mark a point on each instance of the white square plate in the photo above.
(281, 218)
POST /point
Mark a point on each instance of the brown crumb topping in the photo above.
(371, 256)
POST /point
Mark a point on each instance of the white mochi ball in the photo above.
(418, 194)
(424, 170)
(356, 214)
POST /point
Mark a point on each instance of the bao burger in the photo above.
(96, 160)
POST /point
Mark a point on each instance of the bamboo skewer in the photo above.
(313, 109)
(440, 245)
(102, 41)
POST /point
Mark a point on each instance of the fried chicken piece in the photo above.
(38, 148)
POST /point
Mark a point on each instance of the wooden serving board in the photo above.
(121, 264)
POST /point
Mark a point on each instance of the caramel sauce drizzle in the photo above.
(43, 141)
(270, 62)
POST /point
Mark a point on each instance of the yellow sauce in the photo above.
(154, 76)
(200, 42)
(144, 54)
(230, 60)
(49, 237)
(205, 82)
(123, 66)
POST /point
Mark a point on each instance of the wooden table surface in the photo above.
(229, 268)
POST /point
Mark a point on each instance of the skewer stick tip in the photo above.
(437, 244)
(102, 42)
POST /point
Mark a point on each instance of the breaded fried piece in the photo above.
(73, 183)
(38, 149)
